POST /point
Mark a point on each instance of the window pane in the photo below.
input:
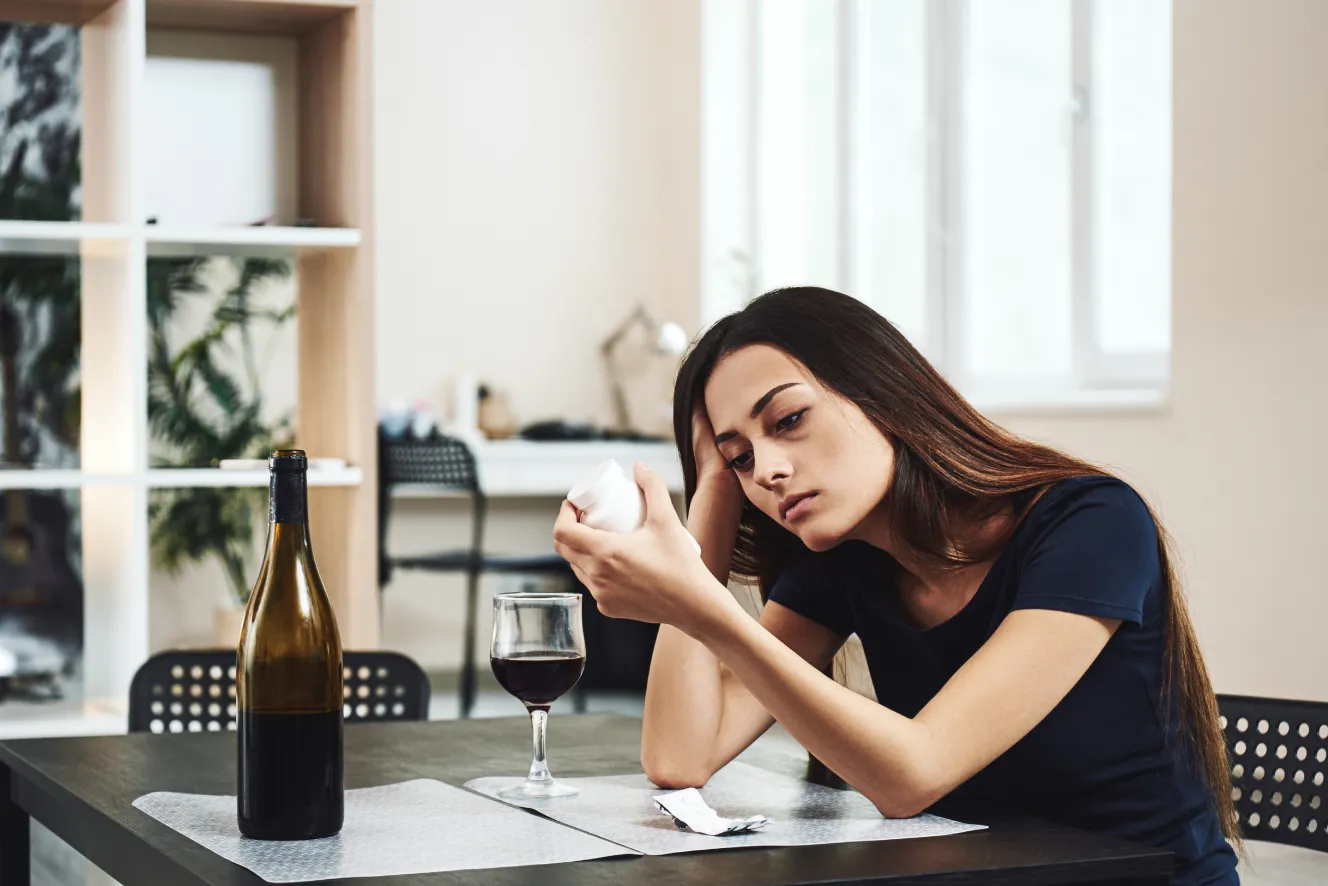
(889, 178)
(797, 144)
(221, 358)
(1132, 144)
(1016, 168)
(40, 314)
(41, 548)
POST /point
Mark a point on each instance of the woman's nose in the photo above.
(772, 468)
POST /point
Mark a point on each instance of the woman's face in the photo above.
(809, 459)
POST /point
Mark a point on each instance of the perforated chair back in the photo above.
(193, 690)
(443, 461)
(1278, 751)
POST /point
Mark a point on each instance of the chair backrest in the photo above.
(1278, 751)
(442, 462)
(445, 462)
(193, 690)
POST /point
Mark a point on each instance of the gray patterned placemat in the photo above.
(621, 808)
(414, 827)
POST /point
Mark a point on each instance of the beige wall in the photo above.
(536, 176)
(1235, 463)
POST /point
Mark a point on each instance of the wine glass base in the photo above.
(538, 790)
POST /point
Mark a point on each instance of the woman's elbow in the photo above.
(896, 804)
(910, 794)
(674, 775)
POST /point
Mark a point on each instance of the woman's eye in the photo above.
(790, 421)
(741, 462)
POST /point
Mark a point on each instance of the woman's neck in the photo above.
(927, 575)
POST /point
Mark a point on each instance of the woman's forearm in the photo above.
(685, 692)
(684, 704)
(876, 750)
(713, 521)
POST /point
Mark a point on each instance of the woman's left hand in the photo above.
(652, 574)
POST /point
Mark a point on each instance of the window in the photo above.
(992, 176)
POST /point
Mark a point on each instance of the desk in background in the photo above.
(512, 468)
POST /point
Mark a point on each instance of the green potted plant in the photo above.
(205, 404)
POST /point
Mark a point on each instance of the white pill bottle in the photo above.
(609, 500)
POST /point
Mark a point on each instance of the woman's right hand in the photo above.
(712, 470)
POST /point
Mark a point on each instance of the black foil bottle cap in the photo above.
(287, 500)
(288, 460)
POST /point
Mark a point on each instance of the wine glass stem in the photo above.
(539, 766)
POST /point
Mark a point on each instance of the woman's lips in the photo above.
(796, 506)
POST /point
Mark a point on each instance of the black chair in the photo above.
(447, 463)
(1278, 752)
(193, 690)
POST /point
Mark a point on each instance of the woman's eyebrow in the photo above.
(769, 395)
(757, 409)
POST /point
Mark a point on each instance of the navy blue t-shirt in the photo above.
(1107, 758)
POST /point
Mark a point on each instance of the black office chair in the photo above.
(1278, 751)
(193, 690)
(447, 463)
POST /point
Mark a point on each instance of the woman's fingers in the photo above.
(583, 578)
(659, 505)
(568, 532)
(572, 557)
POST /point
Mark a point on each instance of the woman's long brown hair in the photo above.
(951, 466)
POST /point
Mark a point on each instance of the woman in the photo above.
(1024, 631)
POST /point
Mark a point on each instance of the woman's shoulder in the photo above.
(1087, 503)
(1088, 490)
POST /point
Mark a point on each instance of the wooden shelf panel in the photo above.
(247, 16)
(267, 241)
(57, 12)
(59, 238)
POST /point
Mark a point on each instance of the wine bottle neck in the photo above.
(288, 497)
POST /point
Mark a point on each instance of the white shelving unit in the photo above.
(269, 242)
(55, 479)
(178, 478)
(60, 719)
(335, 409)
(168, 478)
(61, 238)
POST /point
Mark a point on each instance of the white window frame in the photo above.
(731, 249)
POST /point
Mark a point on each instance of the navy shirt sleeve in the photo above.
(1093, 551)
(813, 588)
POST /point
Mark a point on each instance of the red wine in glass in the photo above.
(538, 678)
(538, 653)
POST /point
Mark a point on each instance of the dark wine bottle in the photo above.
(288, 679)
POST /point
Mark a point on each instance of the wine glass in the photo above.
(538, 653)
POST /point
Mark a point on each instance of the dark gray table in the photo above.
(83, 788)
